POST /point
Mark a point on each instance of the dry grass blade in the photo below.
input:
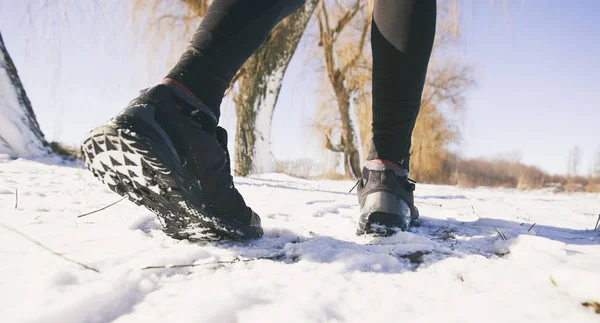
(596, 227)
(473, 208)
(39, 244)
(103, 208)
(531, 227)
(16, 198)
(594, 305)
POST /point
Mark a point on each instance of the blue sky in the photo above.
(535, 62)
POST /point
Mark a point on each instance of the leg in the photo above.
(165, 151)
(228, 35)
(401, 40)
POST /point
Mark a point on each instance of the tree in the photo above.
(20, 132)
(259, 83)
(596, 164)
(594, 176)
(342, 62)
(167, 26)
(447, 81)
(573, 167)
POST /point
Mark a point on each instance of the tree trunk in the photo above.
(20, 132)
(351, 155)
(258, 89)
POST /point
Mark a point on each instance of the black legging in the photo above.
(401, 39)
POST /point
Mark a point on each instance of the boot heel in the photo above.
(386, 210)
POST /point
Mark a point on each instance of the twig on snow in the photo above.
(39, 244)
(103, 208)
(502, 236)
(473, 208)
(228, 262)
(531, 227)
(16, 198)
(596, 227)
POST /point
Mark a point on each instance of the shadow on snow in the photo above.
(435, 240)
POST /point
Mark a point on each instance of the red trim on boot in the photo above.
(386, 163)
(182, 88)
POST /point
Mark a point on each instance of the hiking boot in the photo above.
(385, 195)
(165, 152)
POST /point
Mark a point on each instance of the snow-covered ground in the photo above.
(309, 267)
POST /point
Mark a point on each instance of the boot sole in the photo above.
(382, 228)
(139, 164)
(384, 214)
(379, 224)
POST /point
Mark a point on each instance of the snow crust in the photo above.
(309, 267)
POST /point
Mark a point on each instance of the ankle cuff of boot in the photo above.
(185, 94)
(382, 165)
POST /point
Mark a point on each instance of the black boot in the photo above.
(166, 153)
(385, 195)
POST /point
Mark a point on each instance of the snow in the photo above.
(263, 161)
(309, 267)
(16, 136)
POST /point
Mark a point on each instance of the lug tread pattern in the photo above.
(124, 161)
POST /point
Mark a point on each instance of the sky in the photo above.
(535, 64)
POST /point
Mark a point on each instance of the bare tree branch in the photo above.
(175, 18)
(363, 36)
(346, 18)
(339, 148)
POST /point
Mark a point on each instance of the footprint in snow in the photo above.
(332, 209)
